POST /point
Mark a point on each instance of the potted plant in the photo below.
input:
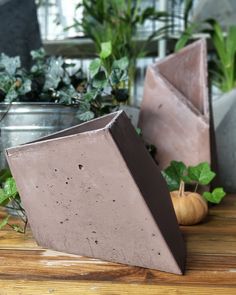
(54, 95)
(117, 22)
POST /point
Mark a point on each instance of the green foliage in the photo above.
(9, 198)
(49, 80)
(222, 66)
(224, 70)
(13, 80)
(112, 25)
(174, 173)
(185, 36)
(106, 87)
(200, 174)
(215, 196)
(94, 67)
(106, 49)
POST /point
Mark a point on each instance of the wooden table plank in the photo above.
(210, 267)
(86, 288)
(95, 288)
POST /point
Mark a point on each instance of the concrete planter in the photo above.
(174, 112)
(224, 114)
(94, 190)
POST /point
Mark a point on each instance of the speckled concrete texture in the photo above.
(94, 190)
(174, 112)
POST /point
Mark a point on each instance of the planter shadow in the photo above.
(94, 190)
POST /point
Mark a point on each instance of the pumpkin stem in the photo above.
(181, 188)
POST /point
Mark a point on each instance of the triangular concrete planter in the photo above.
(174, 112)
(94, 190)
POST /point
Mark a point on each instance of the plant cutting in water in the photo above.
(190, 206)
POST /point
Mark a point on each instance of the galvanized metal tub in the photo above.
(24, 122)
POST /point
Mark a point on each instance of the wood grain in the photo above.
(26, 268)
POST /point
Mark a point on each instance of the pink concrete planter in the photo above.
(94, 190)
(174, 112)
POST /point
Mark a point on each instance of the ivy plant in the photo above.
(199, 175)
(51, 79)
(106, 87)
(118, 22)
(10, 199)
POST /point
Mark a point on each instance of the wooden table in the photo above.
(27, 269)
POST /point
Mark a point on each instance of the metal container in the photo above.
(25, 122)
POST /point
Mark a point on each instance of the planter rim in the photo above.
(37, 104)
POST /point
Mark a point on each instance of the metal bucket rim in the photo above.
(37, 104)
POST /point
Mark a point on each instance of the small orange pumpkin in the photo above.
(190, 207)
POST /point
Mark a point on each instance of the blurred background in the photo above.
(61, 32)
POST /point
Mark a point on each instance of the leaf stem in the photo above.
(181, 188)
(196, 187)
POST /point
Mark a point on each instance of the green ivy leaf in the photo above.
(38, 54)
(94, 67)
(86, 116)
(215, 196)
(4, 198)
(201, 173)
(54, 73)
(121, 64)
(139, 131)
(83, 107)
(174, 173)
(10, 64)
(25, 87)
(106, 49)
(4, 174)
(172, 182)
(4, 221)
(66, 95)
(100, 80)
(9, 187)
(11, 95)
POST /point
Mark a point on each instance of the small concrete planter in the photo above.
(94, 190)
(174, 112)
(224, 114)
